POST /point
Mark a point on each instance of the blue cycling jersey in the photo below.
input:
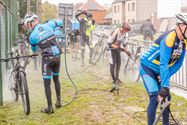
(43, 33)
(58, 33)
(165, 56)
(75, 25)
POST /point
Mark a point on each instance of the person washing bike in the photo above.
(42, 36)
(117, 43)
(163, 59)
(86, 27)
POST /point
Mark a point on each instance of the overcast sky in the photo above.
(173, 6)
(78, 1)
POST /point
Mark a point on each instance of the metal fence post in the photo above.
(1, 82)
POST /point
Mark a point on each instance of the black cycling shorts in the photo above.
(50, 66)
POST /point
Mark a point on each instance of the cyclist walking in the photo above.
(42, 36)
(163, 59)
(117, 43)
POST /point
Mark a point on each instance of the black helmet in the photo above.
(89, 15)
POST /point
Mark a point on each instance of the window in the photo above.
(128, 6)
(118, 8)
(92, 6)
(114, 9)
(133, 20)
(133, 7)
(114, 21)
(184, 3)
(129, 20)
(118, 21)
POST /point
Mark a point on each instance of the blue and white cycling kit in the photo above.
(163, 59)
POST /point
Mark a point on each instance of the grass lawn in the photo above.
(94, 105)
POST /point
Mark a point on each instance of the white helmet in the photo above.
(181, 18)
(30, 17)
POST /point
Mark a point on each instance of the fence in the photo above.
(8, 33)
(178, 80)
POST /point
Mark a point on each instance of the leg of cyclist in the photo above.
(46, 71)
(56, 69)
(90, 45)
(151, 84)
(118, 64)
(112, 59)
(151, 37)
(82, 48)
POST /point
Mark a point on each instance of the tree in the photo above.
(23, 7)
(49, 11)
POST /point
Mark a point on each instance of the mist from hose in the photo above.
(7, 94)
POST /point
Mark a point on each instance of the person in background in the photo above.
(148, 30)
(74, 39)
(85, 32)
(42, 36)
(117, 43)
(163, 59)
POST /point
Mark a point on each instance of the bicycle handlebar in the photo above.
(17, 57)
(135, 44)
(102, 35)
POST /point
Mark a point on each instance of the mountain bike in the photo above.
(100, 47)
(19, 85)
(132, 63)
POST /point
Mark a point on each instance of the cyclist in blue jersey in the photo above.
(163, 59)
(74, 36)
(60, 37)
(42, 36)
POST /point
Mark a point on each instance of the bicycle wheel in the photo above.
(96, 53)
(24, 92)
(105, 56)
(13, 87)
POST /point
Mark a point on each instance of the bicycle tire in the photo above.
(105, 56)
(97, 53)
(24, 91)
(13, 87)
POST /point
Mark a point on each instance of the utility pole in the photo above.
(1, 81)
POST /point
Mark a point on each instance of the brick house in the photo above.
(97, 10)
(133, 10)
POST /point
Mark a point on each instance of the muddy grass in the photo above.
(94, 105)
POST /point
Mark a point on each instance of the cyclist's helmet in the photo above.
(89, 15)
(30, 17)
(180, 18)
(126, 26)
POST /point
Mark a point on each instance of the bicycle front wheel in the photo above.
(96, 53)
(24, 92)
(105, 59)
